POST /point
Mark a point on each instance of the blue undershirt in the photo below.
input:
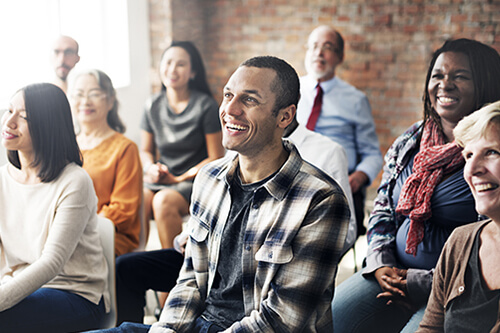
(452, 205)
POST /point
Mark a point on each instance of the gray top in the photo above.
(477, 309)
(180, 138)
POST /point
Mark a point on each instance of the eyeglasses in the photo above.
(93, 96)
(65, 52)
(327, 47)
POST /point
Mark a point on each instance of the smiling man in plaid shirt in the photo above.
(266, 230)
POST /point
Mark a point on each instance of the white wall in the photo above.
(132, 97)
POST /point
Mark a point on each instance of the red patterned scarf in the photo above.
(434, 160)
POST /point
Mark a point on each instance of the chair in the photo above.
(106, 230)
(144, 234)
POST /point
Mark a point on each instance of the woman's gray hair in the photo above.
(114, 120)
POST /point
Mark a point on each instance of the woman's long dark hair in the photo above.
(51, 129)
(199, 82)
(484, 62)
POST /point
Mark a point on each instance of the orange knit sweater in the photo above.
(115, 169)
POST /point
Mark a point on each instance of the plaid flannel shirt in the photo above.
(295, 233)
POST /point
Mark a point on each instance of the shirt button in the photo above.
(270, 254)
(248, 248)
(461, 289)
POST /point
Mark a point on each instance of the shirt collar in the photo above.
(326, 85)
(278, 185)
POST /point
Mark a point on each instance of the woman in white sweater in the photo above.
(52, 269)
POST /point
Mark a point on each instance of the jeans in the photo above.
(137, 272)
(357, 309)
(52, 311)
(201, 326)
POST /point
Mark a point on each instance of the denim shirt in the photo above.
(293, 241)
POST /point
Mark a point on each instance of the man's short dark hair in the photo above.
(286, 85)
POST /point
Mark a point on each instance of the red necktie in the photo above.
(313, 117)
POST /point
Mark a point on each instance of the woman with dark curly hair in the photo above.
(422, 198)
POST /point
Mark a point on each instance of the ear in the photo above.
(193, 75)
(286, 115)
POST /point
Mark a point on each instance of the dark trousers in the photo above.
(138, 272)
(200, 326)
(50, 310)
(359, 209)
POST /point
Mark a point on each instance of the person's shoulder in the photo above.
(407, 139)
(304, 78)
(467, 231)
(75, 182)
(73, 169)
(203, 100)
(157, 96)
(305, 139)
(122, 145)
(461, 240)
(348, 88)
(317, 178)
(73, 175)
(411, 131)
(313, 183)
(154, 100)
(318, 138)
(202, 96)
(307, 83)
(214, 168)
(308, 175)
(121, 140)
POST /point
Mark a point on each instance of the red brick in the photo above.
(383, 19)
(388, 43)
(459, 18)
(431, 8)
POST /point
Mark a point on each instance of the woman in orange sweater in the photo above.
(111, 159)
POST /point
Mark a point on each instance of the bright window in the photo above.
(29, 27)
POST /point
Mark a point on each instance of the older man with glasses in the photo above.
(339, 111)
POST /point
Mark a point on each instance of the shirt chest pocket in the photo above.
(199, 233)
(274, 254)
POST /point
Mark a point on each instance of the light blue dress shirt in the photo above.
(346, 118)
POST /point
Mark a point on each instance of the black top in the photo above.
(224, 304)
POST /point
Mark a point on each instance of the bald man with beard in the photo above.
(63, 59)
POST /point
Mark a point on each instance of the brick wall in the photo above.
(388, 42)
